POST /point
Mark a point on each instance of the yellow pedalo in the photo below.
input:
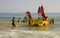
(45, 23)
(42, 25)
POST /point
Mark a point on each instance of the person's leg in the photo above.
(13, 25)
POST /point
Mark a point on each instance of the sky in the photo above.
(21, 6)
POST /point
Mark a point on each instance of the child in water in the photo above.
(13, 22)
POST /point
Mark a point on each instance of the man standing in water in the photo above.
(13, 23)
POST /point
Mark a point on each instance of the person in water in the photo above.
(52, 21)
(25, 19)
(19, 19)
(13, 22)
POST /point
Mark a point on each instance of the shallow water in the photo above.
(23, 31)
(31, 32)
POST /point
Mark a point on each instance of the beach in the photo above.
(29, 18)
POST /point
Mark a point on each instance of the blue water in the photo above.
(24, 14)
(8, 16)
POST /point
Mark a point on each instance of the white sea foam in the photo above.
(29, 34)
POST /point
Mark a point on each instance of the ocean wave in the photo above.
(29, 34)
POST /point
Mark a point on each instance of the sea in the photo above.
(22, 33)
(8, 16)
